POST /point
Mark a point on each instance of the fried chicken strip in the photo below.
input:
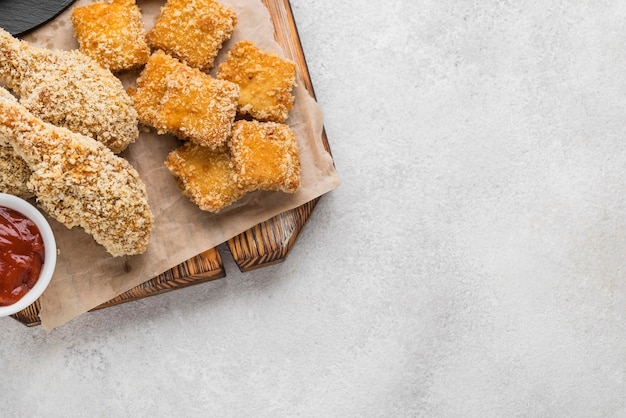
(69, 89)
(80, 182)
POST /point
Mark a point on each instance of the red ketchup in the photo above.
(21, 255)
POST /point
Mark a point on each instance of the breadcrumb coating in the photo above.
(69, 89)
(112, 34)
(193, 30)
(198, 107)
(151, 86)
(175, 98)
(14, 172)
(205, 176)
(80, 182)
(265, 156)
(265, 80)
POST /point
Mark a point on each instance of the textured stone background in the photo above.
(472, 264)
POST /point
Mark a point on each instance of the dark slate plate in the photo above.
(20, 16)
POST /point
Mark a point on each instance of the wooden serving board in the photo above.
(265, 244)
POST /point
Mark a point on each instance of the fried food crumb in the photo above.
(205, 176)
(265, 80)
(112, 34)
(265, 156)
(193, 30)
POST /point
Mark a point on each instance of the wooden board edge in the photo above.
(265, 244)
(204, 267)
(271, 241)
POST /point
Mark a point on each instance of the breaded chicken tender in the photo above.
(80, 182)
(205, 176)
(175, 98)
(111, 33)
(193, 30)
(265, 80)
(69, 89)
(265, 156)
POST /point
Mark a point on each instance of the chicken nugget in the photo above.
(198, 107)
(175, 98)
(193, 30)
(265, 156)
(151, 86)
(265, 79)
(111, 33)
(205, 176)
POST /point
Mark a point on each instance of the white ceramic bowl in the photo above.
(50, 252)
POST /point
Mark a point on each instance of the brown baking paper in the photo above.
(87, 276)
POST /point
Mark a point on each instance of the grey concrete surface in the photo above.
(472, 263)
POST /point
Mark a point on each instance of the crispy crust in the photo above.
(111, 33)
(265, 80)
(69, 89)
(14, 173)
(205, 176)
(197, 107)
(193, 30)
(80, 182)
(151, 86)
(265, 156)
(175, 98)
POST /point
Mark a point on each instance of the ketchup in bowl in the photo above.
(21, 255)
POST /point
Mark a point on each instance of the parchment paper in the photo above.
(86, 276)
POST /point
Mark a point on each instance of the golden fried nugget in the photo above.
(205, 176)
(193, 30)
(151, 86)
(111, 33)
(175, 98)
(265, 79)
(265, 156)
(198, 107)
